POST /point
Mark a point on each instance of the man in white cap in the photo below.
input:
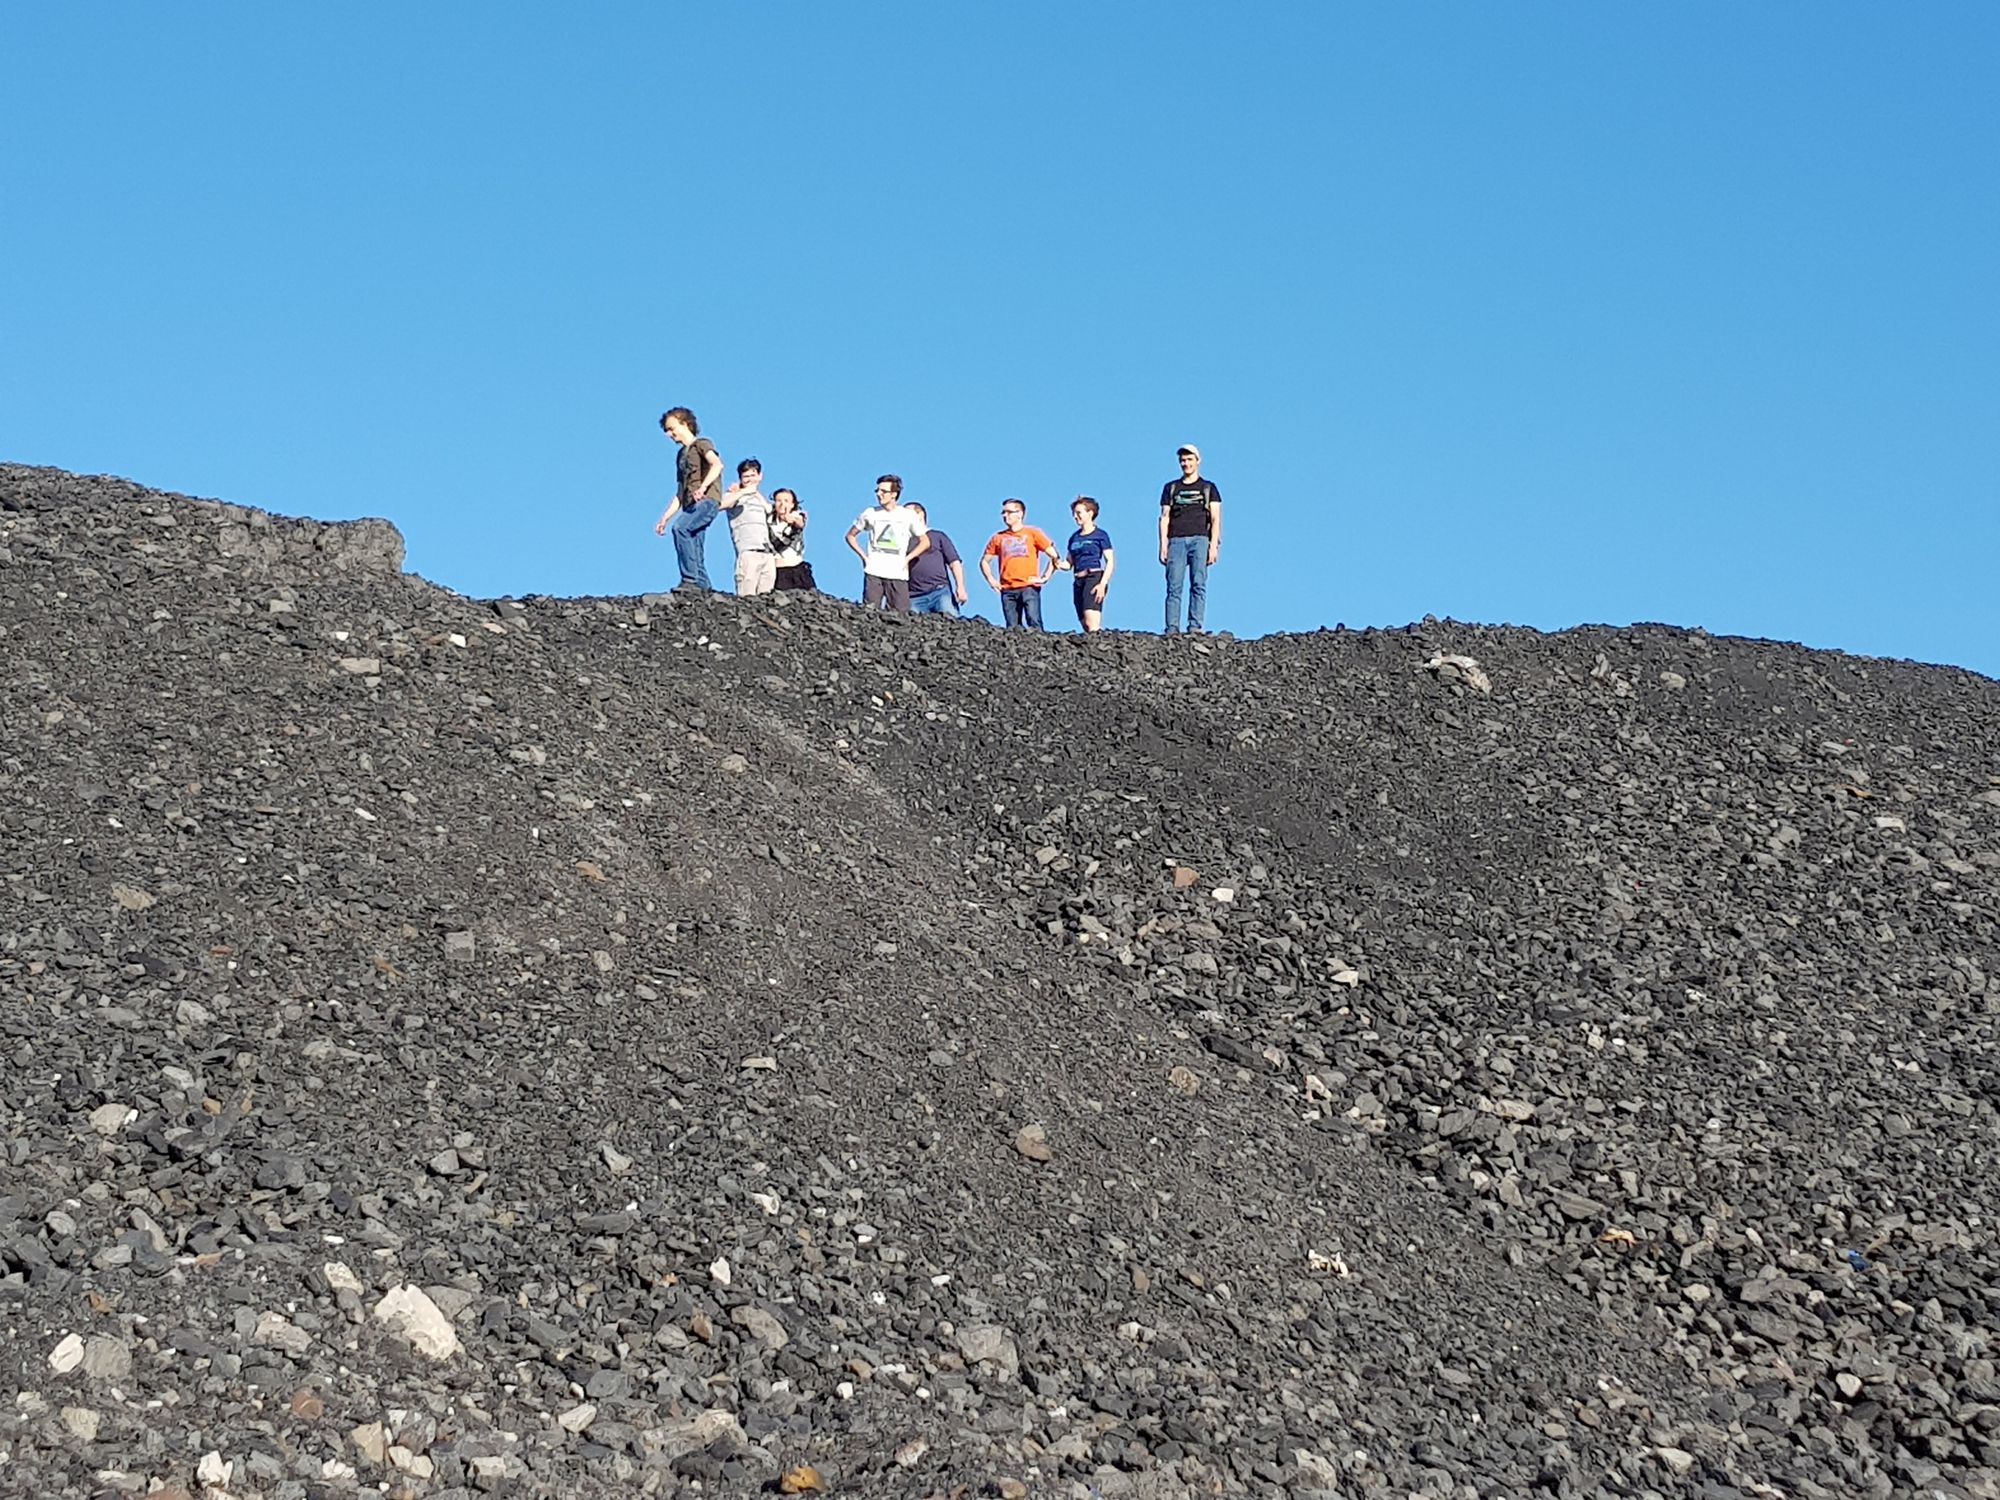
(1190, 538)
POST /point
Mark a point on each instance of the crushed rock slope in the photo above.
(1442, 1093)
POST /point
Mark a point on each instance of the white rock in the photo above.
(340, 1276)
(82, 1422)
(1462, 668)
(106, 1359)
(108, 1119)
(408, 1312)
(616, 1160)
(761, 1325)
(132, 897)
(719, 1271)
(213, 1469)
(361, 666)
(275, 1331)
(989, 1343)
(577, 1418)
(1315, 1472)
(372, 1441)
(1223, 894)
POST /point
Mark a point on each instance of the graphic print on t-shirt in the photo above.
(1186, 502)
(888, 534)
(1017, 551)
(1087, 549)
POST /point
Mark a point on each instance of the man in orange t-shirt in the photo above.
(1018, 551)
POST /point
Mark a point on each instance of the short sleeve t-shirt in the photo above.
(1019, 553)
(1087, 549)
(886, 537)
(687, 469)
(750, 522)
(1186, 503)
(930, 572)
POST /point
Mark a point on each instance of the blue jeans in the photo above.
(690, 530)
(1187, 573)
(935, 602)
(1021, 608)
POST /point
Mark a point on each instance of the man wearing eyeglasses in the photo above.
(896, 535)
(1012, 563)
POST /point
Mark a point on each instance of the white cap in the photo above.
(1189, 448)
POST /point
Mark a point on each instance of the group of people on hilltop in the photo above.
(913, 567)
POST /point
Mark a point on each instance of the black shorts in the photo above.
(1082, 593)
(797, 575)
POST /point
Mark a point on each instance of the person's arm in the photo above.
(1214, 524)
(732, 497)
(711, 470)
(1110, 567)
(673, 509)
(1163, 528)
(986, 568)
(920, 545)
(957, 570)
(1048, 550)
(859, 551)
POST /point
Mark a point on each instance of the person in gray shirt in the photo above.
(749, 512)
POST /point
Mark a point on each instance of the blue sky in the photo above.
(1540, 314)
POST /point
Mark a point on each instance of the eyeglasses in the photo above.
(885, 489)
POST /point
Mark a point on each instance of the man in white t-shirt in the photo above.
(888, 528)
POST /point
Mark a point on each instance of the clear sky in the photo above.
(1542, 313)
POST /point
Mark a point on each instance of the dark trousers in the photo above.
(1021, 608)
(886, 593)
(798, 575)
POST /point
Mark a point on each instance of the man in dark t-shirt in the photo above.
(937, 577)
(697, 496)
(1190, 538)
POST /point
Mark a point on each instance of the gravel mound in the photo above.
(611, 1047)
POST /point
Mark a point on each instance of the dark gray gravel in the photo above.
(644, 1046)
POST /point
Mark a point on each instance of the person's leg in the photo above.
(930, 602)
(1010, 608)
(691, 542)
(745, 573)
(1197, 581)
(872, 591)
(899, 594)
(1031, 608)
(1176, 582)
(687, 552)
(1085, 597)
(763, 573)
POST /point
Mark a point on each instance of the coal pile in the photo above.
(657, 1046)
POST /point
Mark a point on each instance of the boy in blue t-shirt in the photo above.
(1091, 559)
